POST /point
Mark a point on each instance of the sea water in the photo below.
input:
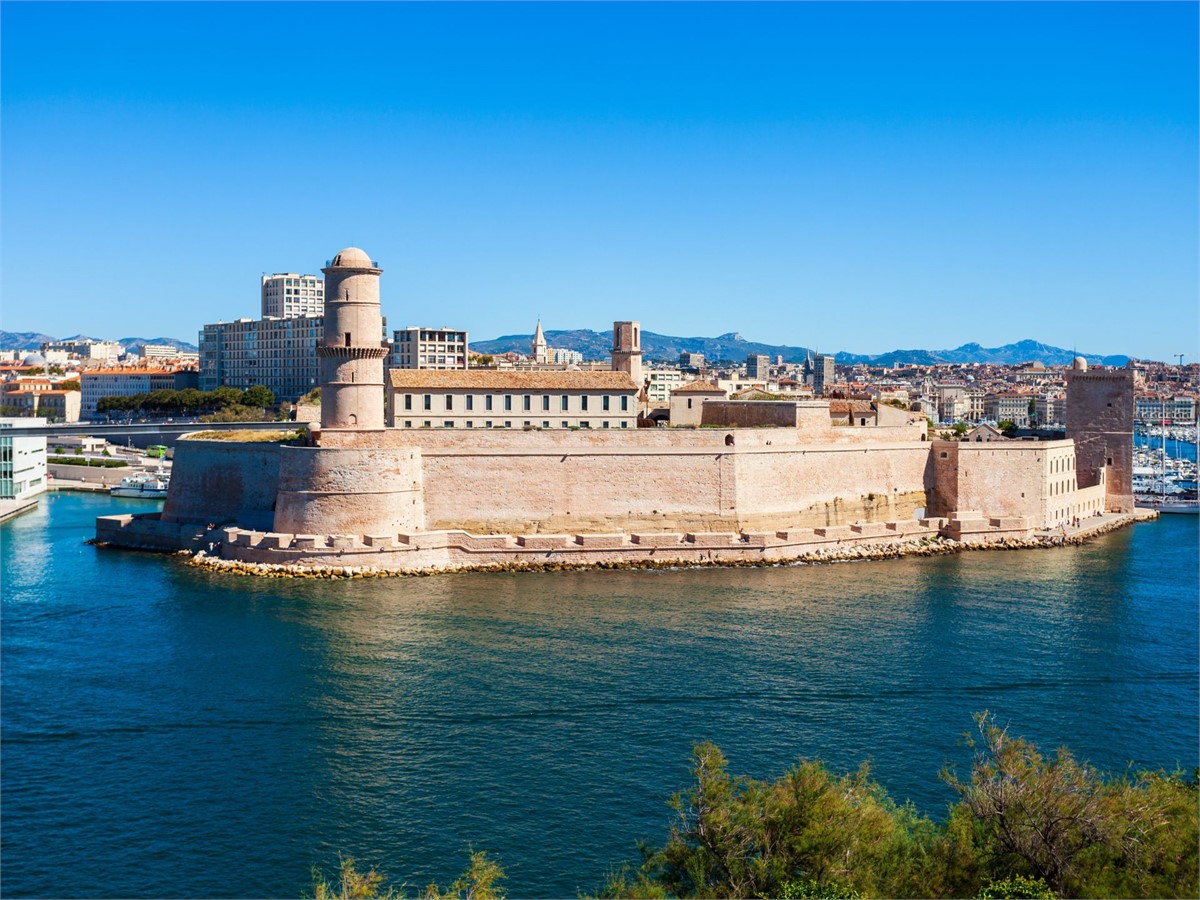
(168, 731)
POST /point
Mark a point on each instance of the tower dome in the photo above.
(352, 258)
(1080, 364)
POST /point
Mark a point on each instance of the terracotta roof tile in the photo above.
(698, 387)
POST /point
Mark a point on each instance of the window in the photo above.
(508, 424)
(564, 402)
(429, 401)
(528, 401)
(470, 424)
(449, 401)
(606, 424)
(507, 404)
(546, 402)
(487, 404)
(408, 424)
(624, 424)
(624, 407)
(448, 424)
(487, 424)
(689, 402)
(470, 402)
(585, 424)
(545, 424)
(566, 424)
(583, 403)
(348, 344)
(604, 404)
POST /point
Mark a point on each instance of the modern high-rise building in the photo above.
(758, 367)
(822, 373)
(428, 348)
(279, 354)
(286, 295)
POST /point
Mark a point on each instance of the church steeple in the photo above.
(541, 353)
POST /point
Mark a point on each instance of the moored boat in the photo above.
(143, 485)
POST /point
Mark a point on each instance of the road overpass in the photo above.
(144, 434)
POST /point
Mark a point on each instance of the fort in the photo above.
(749, 481)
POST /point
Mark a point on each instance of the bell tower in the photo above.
(351, 350)
(627, 350)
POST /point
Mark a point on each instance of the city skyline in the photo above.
(852, 177)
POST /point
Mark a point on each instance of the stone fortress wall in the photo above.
(772, 482)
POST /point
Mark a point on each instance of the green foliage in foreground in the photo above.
(479, 882)
(1023, 826)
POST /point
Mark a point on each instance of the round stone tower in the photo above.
(352, 350)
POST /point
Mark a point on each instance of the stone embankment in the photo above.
(925, 546)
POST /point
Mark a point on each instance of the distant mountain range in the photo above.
(30, 340)
(733, 347)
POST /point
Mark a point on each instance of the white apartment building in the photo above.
(125, 382)
(1152, 410)
(662, 382)
(22, 460)
(415, 347)
(279, 354)
(563, 357)
(97, 350)
(286, 295)
(166, 351)
(486, 398)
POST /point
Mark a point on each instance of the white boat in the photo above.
(143, 486)
(1166, 505)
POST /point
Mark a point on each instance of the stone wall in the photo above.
(359, 490)
(1034, 480)
(223, 482)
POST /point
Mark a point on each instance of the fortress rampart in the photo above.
(550, 481)
(759, 481)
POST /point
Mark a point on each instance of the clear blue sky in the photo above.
(851, 177)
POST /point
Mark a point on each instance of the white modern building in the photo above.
(286, 295)
(22, 460)
(415, 347)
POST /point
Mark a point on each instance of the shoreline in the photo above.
(925, 546)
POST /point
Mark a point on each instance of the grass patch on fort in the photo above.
(245, 436)
(1023, 824)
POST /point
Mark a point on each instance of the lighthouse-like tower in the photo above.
(351, 350)
(350, 480)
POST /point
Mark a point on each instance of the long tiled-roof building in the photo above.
(482, 398)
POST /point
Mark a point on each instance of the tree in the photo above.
(223, 397)
(259, 397)
(1007, 427)
(71, 385)
(1061, 821)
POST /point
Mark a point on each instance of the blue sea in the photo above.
(173, 732)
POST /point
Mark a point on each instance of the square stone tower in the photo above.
(1100, 421)
(627, 350)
